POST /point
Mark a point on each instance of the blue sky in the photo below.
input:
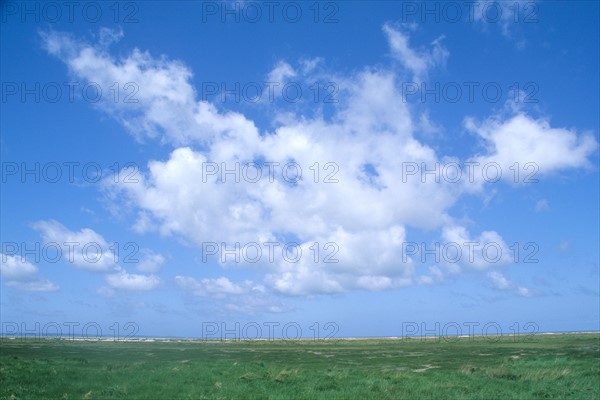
(140, 107)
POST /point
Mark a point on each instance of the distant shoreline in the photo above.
(148, 339)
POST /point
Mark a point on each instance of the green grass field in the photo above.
(537, 367)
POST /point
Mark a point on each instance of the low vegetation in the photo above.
(565, 366)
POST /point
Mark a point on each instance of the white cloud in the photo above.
(245, 297)
(161, 100)
(216, 287)
(505, 13)
(21, 274)
(418, 62)
(41, 285)
(458, 250)
(436, 275)
(253, 305)
(500, 282)
(480, 253)
(346, 260)
(15, 268)
(108, 36)
(366, 142)
(143, 223)
(85, 249)
(150, 261)
(132, 282)
(523, 291)
(281, 72)
(523, 139)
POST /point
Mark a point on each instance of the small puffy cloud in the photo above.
(20, 274)
(480, 253)
(458, 249)
(500, 282)
(523, 291)
(533, 143)
(87, 249)
(84, 249)
(309, 65)
(143, 223)
(132, 282)
(15, 268)
(150, 262)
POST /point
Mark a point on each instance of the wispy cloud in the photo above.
(417, 62)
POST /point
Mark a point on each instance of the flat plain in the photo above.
(560, 366)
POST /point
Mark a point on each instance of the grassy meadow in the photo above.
(565, 366)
